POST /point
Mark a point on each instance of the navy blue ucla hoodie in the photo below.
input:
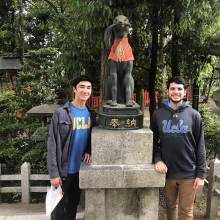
(179, 141)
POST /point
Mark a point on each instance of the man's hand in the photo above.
(56, 181)
(87, 158)
(160, 167)
(198, 183)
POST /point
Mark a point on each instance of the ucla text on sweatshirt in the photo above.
(179, 141)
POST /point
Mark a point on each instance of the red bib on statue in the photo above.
(121, 51)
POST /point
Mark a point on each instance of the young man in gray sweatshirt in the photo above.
(179, 150)
(69, 143)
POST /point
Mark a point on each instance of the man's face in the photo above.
(176, 92)
(82, 91)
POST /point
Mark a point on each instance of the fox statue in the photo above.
(120, 60)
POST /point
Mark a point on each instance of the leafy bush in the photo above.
(23, 138)
(16, 143)
(37, 157)
(212, 132)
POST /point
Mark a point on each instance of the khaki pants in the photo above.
(180, 196)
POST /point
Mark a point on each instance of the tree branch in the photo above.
(61, 6)
(32, 3)
(141, 67)
(52, 5)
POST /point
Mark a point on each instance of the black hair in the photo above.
(177, 80)
(79, 79)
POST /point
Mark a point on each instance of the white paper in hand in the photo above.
(54, 195)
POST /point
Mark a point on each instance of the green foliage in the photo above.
(80, 39)
(16, 144)
(37, 79)
(7, 27)
(37, 27)
(197, 28)
(211, 127)
(36, 85)
(209, 77)
(8, 108)
(37, 82)
(41, 134)
(37, 157)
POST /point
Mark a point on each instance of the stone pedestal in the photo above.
(120, 117)
(121, 183)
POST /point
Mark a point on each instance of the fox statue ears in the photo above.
(109, 33)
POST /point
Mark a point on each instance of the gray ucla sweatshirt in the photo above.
(179, 141)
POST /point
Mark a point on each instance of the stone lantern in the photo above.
(44, 112)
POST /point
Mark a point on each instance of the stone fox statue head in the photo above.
(120, 61)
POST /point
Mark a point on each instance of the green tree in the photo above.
(7, 27)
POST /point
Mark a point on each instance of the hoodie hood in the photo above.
(166, 104)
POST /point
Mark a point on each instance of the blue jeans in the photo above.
(180, 196)
(67, 207)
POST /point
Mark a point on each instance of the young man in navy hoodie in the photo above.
(69, 142)
(179, 150)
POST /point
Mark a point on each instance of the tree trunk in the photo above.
(153, 66)
(175, 38)
(210, 85)
(161, 70)
(21, 29)
(195, 98)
